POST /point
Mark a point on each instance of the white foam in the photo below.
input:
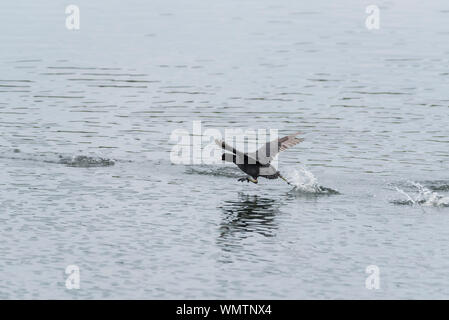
(425, 197)
(304, 180)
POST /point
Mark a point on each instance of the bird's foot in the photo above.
(253, 180)
(248, 179)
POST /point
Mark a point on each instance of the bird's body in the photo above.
(258, 164)
(254, 170)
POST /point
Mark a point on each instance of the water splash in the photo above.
(424, 197)
(86, 162)
(304, 181)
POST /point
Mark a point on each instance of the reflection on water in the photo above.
(245, 216)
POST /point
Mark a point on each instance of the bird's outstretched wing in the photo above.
(267, 152)
(241, 157)
(227, 147)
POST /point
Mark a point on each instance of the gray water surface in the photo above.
(86, 178)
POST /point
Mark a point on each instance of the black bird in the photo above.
(258, 164)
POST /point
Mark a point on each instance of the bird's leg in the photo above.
(284, 179)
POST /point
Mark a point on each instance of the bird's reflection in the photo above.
(248, 215)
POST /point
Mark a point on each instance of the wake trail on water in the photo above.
(79, 161)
